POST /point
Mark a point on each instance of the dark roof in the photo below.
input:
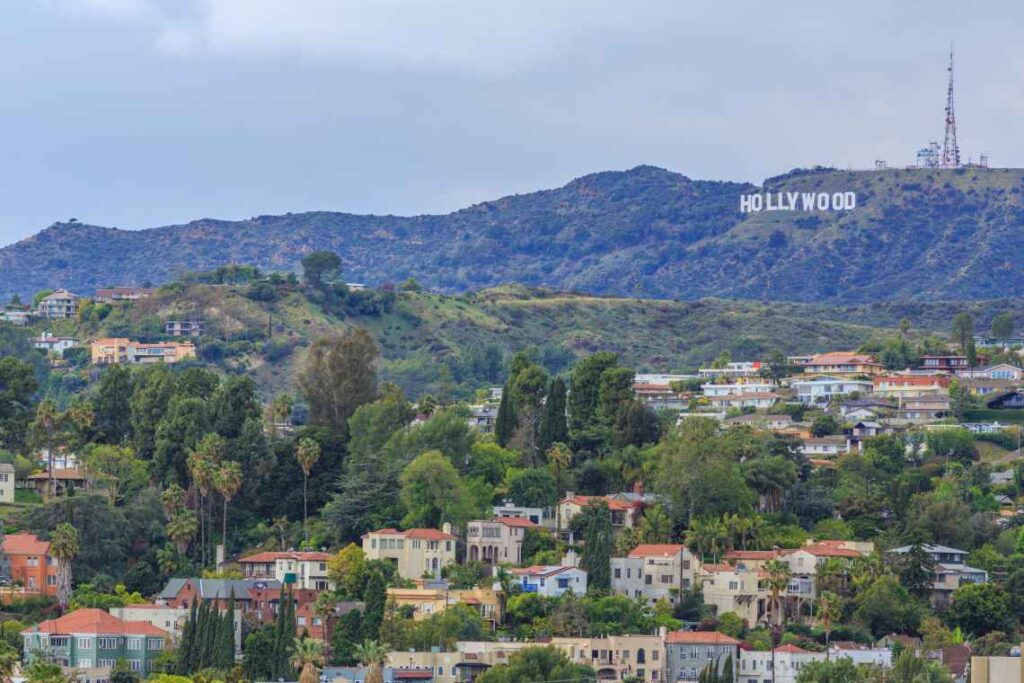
(219, 588)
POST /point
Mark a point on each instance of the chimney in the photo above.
(446, 527)
(638, 487)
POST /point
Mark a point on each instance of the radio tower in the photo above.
(950, 150)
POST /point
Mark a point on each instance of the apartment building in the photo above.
(94, 639)
(59, 305)
(296, 568)
(497, 541)
(689, 653)
(655, 571)
(416, 553)
(31, 566)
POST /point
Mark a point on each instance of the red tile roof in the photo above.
(613, 503)
(751, 555)
(298, 556)
(96, 622)
(710, 568)
(829, 550)
(792, 649)
(656, 550)
(25, 544)
(842, 358)
(421, 534)
(539, 570)
(515, 521)
(700, 638)
(71, 473)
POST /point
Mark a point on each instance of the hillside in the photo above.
(915, 235)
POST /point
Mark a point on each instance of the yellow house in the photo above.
(432, 597)
(416, 553)
(843, 364)
(114, 350)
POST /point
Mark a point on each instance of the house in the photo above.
(389, 674)
(763, 421)
(660, 396)
(829, 388)
(689, 653)
(59, 305)
(618, 658)
(55, 345)
(908, 386)
(415, 552)
(735, 370)
(428, 597)
(193, 327)
(497, 541)
(860, 654)
(736, 588)
(654, 571)
(1010, 400)
(743, 386)
(7, 483)
(114, 350)
(292, 568)
(986, 342)
(63, 479)
(997, 669)
(924, 408)
(951, 572)
(170, 619)
(825, 446)
(482, 418)
(843, 364)
(864, 408)
(540, 516)
(32, 568)
(985, 387)
(755, 400)
(91, 638)
(551, 581)
(110, 295)
(445, 666)
(998, 371)
(951, 364)
(625, 512)
(788, 660)
(15, 315)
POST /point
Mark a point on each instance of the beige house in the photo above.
(497, 541)
(297, 569)
(843, 364)
(626, 509)
(59, 305)
(438, 667)
(654, 571)
(6, 483)
(114, 350)
(416, 553)
(433, 597)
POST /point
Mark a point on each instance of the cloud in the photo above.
(114, 9)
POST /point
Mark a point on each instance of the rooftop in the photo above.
(95, 621)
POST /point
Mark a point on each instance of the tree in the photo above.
(64, 547)
(779, 575)
(538, 665)
(770, 477)
(505, 420)
(830, 610)
(340, 374)
(839, 671)
(227, 480)
(112, 405)
(963, 330)
(372, 655)
(825, 425)
(554, 426)
(320, 267)
(656, 526)
(307, 657)
(599, 539)
(909, 668)
(979, 608)
(17, 386)
(375, 599)
(9, 660)
(886, 607)
(347, 571)
(307, 452)
(1003, 325)
(433, 493)
(281, 410)
(532, 487)
(202, 464)
(347, 635)
(585, 386)
(917, 571)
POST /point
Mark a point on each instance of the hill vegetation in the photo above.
(919, 234)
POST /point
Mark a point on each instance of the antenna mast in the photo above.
(950, 150)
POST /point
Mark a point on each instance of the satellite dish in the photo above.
(260, 585)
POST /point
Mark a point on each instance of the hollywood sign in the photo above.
(798, 201)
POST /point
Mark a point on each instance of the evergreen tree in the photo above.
(226, 644)
(917, 571)
(554, 426)
(347, 635)
(599, 538)
(505, 421)
(187, 645)
(374, 597)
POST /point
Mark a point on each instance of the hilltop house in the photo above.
(55, 345)
(843, 364)
(110, 295)
(428, 597)
(626, 508)
(551, 581)
(94, 639)
(59, 305)
(909, 386)
(499, 540)
(32, 568)
(415, 552)
(192, 327)
(997, 371)
(111, 351)
(7, 483)
(735, 370)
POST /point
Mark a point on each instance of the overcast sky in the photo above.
(138, 113)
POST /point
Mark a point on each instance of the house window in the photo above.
(136, 664)
(302, 621)
(32, 562)
(317, 621)
(84, 662)
(156, 644)
(51, 580)
(134, 644)
(648, 579)
(106, 643)
(666, 578)
(106, 663)
(85, 643)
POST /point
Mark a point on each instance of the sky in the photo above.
(140, 113)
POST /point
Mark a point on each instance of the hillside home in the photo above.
(170, 619)
(192, 327)
(482, 418)
(94, 639)
(735, 588)
(299, 569)
(951, 572)
(660, 396)
(860, 654)
(53, 345)
(15, 315)
(843, 364)
(110, 295)
(7, 483)
(828, 388)
(742, 386)
(824, 446)
(32, 568)
(551, 581)
(626, 512)
(924, 408)
(654, 571)
(909, 386)
(788, 660)
(735, 370)
(428, 597)
(544, 517)
(689, 653)
(987, 342)
(61, 481)
(951, 364)
(987, 387)
(998, 371)
(755, 400)
(618, 658)
(111, 351)
(415, 553)
(1010, 400)
(497, 541)
(59, 305)
(763, 421)
(441, 666)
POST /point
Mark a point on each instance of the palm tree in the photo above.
(64, 547)
(173, 500)
(44, 432)
(280, 410)
(9, 659)
(227, 480)
(373, 655)
(504, 581)
(182, 529)
(560, 456)
(308, 655)
(831, 576)
(779, 575)
(830, 609)
(307, 453)
(655, 526)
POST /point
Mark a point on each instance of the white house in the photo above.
(551, 581)
(756, 665)
(861, 655)
(51, 344)
(824, 446)
(757, 399)
(713, 389)
(301, 569)
(653, 571)
(824, 389)
(735, 370)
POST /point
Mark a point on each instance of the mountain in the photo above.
(915, 234)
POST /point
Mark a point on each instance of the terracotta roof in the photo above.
(95, 621)
(792, 649)
(298, 556)
(656, 550)
(700, 638)
(421, 534)
(842, 358)
(830, 550)
(25, 544)
(613, 503)
(71, 473)
(711, 568)
(515, 521)
(751, 555)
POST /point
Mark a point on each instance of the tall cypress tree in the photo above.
(188, 639)
(226, 647)
(374, 597)
(505, 421)
(554, 426)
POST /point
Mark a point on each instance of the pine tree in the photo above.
(374, 597)
(554, 425)
(505, 421)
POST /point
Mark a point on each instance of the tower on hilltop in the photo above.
(950, 149)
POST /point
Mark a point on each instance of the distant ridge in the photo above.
(915, 234)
